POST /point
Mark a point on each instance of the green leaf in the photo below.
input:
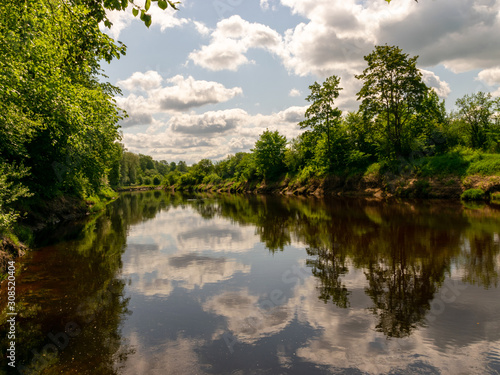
(135, 12)
(174, 5)
(162, 4)
(147, 5)
(147, 20)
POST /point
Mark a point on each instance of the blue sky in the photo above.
(207, 80)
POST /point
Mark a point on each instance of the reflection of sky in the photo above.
(207, 297)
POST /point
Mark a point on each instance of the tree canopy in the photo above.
(58, 120)
(322, 116)
(393, 92)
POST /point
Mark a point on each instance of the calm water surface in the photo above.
(170, 284)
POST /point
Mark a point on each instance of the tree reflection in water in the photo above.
(406, 249)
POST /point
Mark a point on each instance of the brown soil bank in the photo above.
(380, 186)
(9, 251)
(138, 188)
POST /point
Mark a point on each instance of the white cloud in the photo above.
(188, 93)
(294, 93)
(139, 110)
(490, 76)
(201, 28)
(180, 95)
(141, 81)
(442, 88)
(209, 122)
(232, 38)
(213, 134)
(268, 4)
(460, 34)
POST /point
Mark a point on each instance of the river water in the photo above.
(233, 284)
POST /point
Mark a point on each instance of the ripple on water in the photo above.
(493, 359)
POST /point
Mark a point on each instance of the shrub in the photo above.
(373, 169)
(171, 178)
(495, 197)
(156, 180)
(146, 180)
(473, 195)
(212, 178)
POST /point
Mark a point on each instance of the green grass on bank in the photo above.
(462, 162)
(99, 201)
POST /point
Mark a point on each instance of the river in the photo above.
(234, 284)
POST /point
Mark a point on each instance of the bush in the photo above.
(495, 197)
(171, 178)
(156, 180)
(212, 178)
(473, 195)
(373, 170)
(484, 164)
(146, 180)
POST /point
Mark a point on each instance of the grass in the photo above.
(98, 202)
(461, 162)
(473, 195)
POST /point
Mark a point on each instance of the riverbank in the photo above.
(39, 214)
(371, 185)
(139, 188)
(456, 175)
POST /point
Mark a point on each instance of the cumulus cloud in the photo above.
(294, 93)
(490, 76)
(213, 134)
(231, 39)
(179, 94)
(139, 110)
(187, 93)
(432, 80)
(142, 81)
(209, 122)
(201, 28)
(460, 34)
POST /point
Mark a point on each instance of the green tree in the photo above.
(182, 166)
(478, 113)
(392, 94)
(324, 118)
(269, 152)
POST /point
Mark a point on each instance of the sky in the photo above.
(205, 81)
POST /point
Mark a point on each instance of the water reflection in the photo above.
(165, 283)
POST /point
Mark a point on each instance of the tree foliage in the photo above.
(323, 117)
(269, 151)
(58, 120)
(478, 113)
(393, 93)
